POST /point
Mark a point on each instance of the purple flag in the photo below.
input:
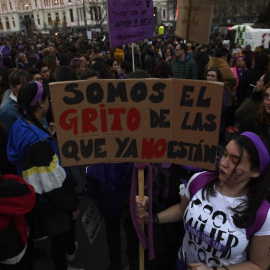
(130, 21)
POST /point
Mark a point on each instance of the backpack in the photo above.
(261, 214)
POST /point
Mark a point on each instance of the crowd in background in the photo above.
(51, 58)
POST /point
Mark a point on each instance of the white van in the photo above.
(255, 37)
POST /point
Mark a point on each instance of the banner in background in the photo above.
(194, 20)
(139, 120)
(130, 21)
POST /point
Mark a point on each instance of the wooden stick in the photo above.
(141, 196)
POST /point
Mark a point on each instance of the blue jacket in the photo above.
(22, 137)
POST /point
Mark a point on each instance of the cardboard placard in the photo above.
(130, 21)
(194, 20)
(92, 221)
(139, 120)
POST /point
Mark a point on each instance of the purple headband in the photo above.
(38, 95)
(262, 150)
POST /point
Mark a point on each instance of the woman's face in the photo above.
(108, 54)
(211, 76)
(80, 68)
(239, 62)
(260, 83)
(115, 66)
(233, 168)
(266, 100)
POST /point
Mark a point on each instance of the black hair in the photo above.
(65, 73)
(4, 82)
(32, 72)
(18, 77)
(266, 77)
(221, 52)
(100, 60)
(89, 73)
(184, 47)
(103, 70)
(245, 213)
(111, 60)
(261, 60)
(26, 94)
(219, 74)
(127, 66)
(217, 213)
(139, 74)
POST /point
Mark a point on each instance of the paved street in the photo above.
(88, 257)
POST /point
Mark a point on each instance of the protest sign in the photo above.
(130, 21)
(194, 20)
(92, 221)
(139, 120)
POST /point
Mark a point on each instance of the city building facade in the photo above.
(61, 15)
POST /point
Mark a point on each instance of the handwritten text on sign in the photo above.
(130, 21)
(143, 120)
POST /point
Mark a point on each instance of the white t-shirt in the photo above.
(211, 236)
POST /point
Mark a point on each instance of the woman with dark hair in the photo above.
(149, 60)
(103, 70)
(34, 151)
(77, 65)
(250, 106)
(251, 76)
(65, 73)
(238, 190)
(214, 75)
(52, 63)
(4, 84)
(167, 54)
(114, 66)
(259, 123)
(125, 70)
(163, 70)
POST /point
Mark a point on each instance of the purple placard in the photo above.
(130, 21)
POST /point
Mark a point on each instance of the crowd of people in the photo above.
(225, 213)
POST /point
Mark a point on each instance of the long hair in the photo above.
(263, 116)
(26, 94)
(65, 73)
(245, 213)
(163, 70)
(50, 62)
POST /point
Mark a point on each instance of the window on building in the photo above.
(1, 26)
(62, 2)
(49, 19)
(95, 13)
(164, 14)
(13, 22)
(36, 3)
(47, 3)
(57, 19)
(71, 15)
(7, 23)
(10, 6)
(55, 2)
(4, 6)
